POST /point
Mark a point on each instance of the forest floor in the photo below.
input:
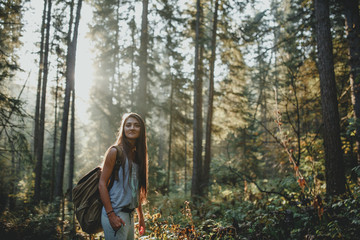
(175, 218)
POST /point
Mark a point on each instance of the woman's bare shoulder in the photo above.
(111, 155)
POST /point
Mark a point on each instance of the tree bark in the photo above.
(38, 91)
(117, 57)
(207, 161)
(170, 132)
(53, 162)
(351, 8)
(65, 116)
(41, 125)
(185, 160)
(72, 145)
(12, 191)
(334, 163)
(132, 26)
(197, 106)
(144, 39)
(70, 79)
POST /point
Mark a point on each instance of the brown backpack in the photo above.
(86, 197)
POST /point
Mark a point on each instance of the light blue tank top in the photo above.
(125, 191)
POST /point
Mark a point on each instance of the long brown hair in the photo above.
(141, 156)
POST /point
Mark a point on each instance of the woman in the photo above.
(129, 189)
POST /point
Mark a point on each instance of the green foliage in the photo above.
(181, 223)
(10, 31)
(16, 164)
(275, 220)
(269, 218)
(172, 217)
(38, 222)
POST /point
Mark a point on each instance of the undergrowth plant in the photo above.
(183, 226)
(30, 223)
(270, 218)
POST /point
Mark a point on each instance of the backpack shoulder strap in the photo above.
(118, 163)
(119, 153)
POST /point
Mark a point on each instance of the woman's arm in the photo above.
(141, 219)
(107, 169)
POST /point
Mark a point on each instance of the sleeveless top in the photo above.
(125, 191)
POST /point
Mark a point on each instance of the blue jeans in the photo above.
(124, 233)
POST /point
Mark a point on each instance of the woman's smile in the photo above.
(132, 128)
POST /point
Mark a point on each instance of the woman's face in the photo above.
(132, 128)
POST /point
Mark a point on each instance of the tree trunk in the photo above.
(72, 145)
(70, 79)
(207, 160)
(40, 140)
(197, 125)
(53, 162)
(12, 191)
(117, 57)
(38, 91)
(64, 123)
(142, 94)
(351, 8)
(133, 28)
(334, 163)
(170, 133)
(185, 160)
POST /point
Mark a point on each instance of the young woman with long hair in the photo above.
(128, 158)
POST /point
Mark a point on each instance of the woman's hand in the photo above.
(115, 221)
(141, 225)
(141, 219)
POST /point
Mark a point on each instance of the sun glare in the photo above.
(84, 65)
(29, 58)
